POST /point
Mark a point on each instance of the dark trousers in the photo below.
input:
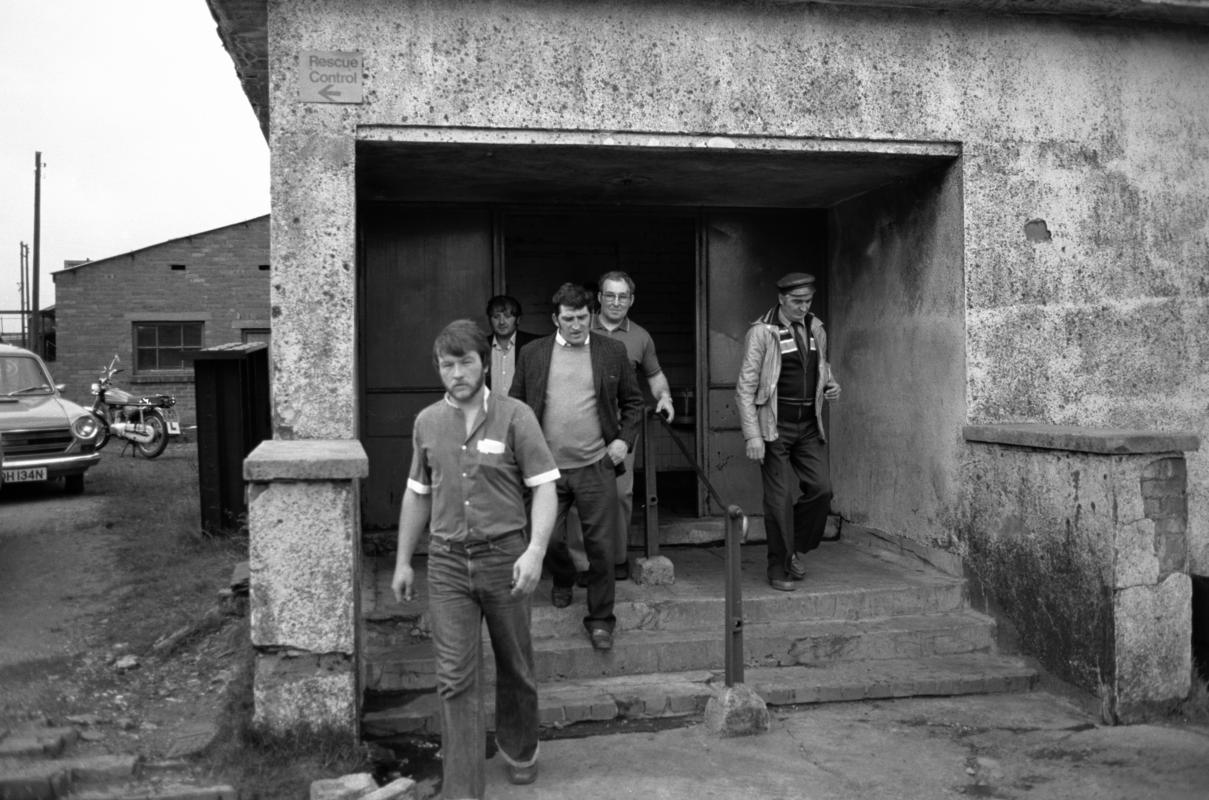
(467, 586)
(593, 490)
(800, 453)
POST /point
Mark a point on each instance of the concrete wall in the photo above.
(98, 303)
(898, 349)
(1085, 234)
(1081, 542)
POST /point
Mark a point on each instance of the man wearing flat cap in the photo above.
(783, 382)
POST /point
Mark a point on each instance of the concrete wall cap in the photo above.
(306, 460)
(1074, 438)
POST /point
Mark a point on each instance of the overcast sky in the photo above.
(144, 130)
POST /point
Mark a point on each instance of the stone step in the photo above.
(685, 693)
(49, 778)
(810, 642)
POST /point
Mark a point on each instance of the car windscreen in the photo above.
(23, 375)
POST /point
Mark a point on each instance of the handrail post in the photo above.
(651, 507)
(736, 532)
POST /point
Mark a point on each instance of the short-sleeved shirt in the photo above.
(475, 481)
(639, 347)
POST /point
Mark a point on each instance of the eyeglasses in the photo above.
(610, 297)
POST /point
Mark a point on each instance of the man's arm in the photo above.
(745, 392)
(662, 394)
(629, 403)
(413, 521)
(527, 570)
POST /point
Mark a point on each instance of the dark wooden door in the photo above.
(746, 252)
(423, 267)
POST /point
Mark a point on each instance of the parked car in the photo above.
(43, 436)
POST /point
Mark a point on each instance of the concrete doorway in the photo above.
(444, 225)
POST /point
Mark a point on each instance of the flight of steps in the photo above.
(859, 627)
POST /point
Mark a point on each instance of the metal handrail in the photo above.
(736, 534)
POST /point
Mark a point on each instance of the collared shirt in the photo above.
(558, 338)
(503, 363)
(475, 481)
(639, 347)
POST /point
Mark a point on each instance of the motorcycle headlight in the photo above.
(95, 388)
(85, 427)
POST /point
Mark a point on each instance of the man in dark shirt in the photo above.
(473, 453)
(586, 397)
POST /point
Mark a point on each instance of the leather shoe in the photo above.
(781, 582)
(602, 638)
(797, 570)
(621, 572)
(522, 775)
(560, 596)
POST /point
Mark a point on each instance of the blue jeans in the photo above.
(467, 584)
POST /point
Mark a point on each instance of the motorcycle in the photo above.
(145, 422)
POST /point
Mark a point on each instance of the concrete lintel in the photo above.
(306, 460)
(1073, 438)
(421, 134)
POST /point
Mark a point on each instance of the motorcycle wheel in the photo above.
(159, 436)
(104, 434)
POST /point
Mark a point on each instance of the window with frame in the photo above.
(161, 346)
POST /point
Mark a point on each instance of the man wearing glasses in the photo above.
(616, 298)
(783, 382)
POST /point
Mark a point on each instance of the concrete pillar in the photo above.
(304, 557)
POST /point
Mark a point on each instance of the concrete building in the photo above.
(152, 305)
(1001, 199)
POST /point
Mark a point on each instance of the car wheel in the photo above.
(74, 484)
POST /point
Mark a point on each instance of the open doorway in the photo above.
(657, 248)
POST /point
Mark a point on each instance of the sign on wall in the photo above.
(329, 76)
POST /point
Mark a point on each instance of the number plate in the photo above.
(174, 423)
(24, 475)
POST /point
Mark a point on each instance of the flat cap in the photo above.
(795, 280)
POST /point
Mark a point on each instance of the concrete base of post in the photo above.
(736, 711)
(657, 571)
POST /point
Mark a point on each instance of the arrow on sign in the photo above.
(328, 93)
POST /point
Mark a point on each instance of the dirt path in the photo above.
(56, 569)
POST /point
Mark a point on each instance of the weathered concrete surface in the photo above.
(303, 563)
(306, 460)
(736, 711)
(294, 691)
(1072, 547)
(1038, 745)
(304, 567)
(1081, 228)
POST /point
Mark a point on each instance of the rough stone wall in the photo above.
(1085, 225)
(97, 304)
(1083, 553)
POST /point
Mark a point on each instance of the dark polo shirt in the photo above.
(475, 481)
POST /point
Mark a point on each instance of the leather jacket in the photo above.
(756, 388)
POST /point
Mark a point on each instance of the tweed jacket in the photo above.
(618, 398)
(756, 388)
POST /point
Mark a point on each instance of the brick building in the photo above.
(152, 305)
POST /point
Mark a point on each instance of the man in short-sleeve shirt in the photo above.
(616, 298)
(472, 454)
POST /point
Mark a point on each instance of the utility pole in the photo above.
(35, 314)
(23, 291)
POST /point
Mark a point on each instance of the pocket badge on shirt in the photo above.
(788, 343)
(490, 447)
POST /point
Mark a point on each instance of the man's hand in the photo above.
(402, 582)
(526, 572)
(755, 449)
(617, 450)
(664, 406)
(831, 391)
